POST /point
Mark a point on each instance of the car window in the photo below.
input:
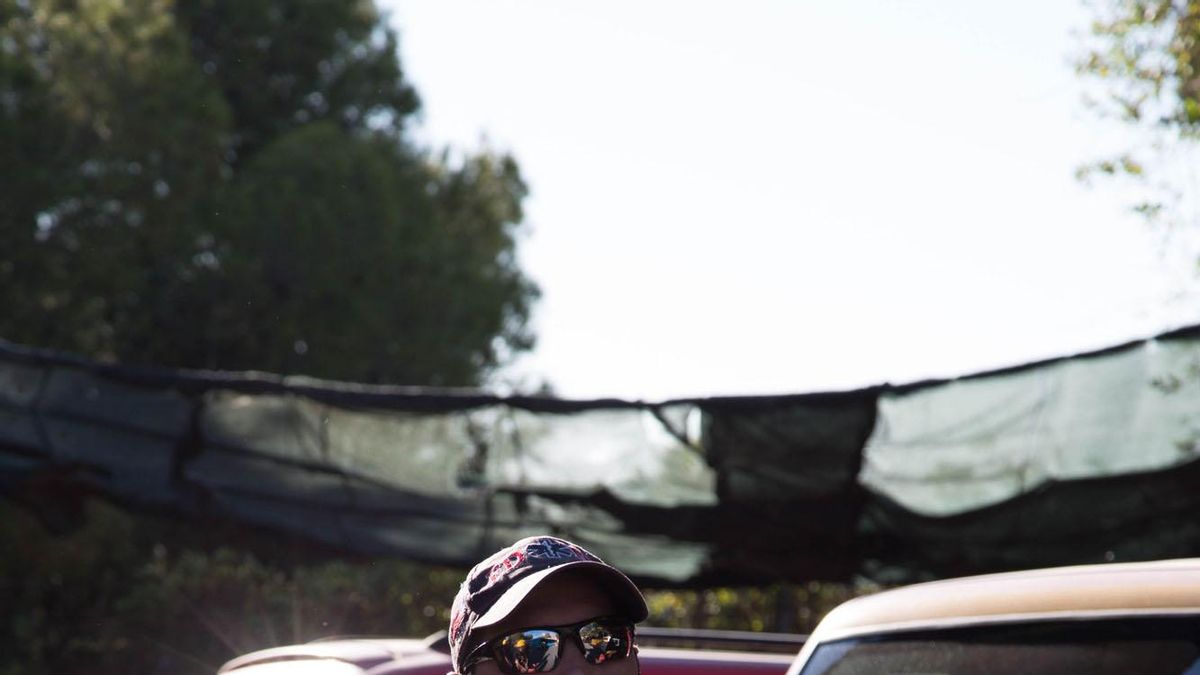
(1159, 646)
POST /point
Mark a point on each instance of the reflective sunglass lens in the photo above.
(531, 651)
(603, 642)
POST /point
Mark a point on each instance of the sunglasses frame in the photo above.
(490, 650)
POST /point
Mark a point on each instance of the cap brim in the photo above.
(627, 596)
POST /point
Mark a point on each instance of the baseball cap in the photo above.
(496, 586)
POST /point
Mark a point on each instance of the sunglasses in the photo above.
(537, 650)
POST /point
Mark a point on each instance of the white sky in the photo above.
(789, 196)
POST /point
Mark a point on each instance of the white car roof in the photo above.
(1162, 587)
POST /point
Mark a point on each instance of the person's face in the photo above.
(563, 599)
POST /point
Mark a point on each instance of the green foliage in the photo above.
(1145, 57)
(135, 594)
(413, 283)
(227, 184)
(290, 62)
(104, 118)
(57, 593)
(782, 608)
(125, 593)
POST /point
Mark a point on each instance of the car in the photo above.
(1098, 619)
(739, 653)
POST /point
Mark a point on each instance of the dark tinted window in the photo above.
(1158, 646)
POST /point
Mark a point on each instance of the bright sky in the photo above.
(780, 196)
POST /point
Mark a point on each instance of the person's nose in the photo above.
(573, 663)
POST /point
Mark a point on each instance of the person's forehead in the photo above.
(560, 600)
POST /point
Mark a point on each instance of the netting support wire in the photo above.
(678, 434)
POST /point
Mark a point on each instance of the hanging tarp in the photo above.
(1077, 459)
(976, 442)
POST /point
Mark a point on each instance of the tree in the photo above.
(413, 281)
(110, 137)
(285, 63)
(226, 184)
(1145, 57)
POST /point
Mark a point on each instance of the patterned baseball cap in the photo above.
(496, 586)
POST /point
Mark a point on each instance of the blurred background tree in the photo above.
(224, 184)
(139, 594)
(230, 184)
(1143, 56)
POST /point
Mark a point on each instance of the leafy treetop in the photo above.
(227, 184)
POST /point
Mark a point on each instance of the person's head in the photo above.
(545, 604)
